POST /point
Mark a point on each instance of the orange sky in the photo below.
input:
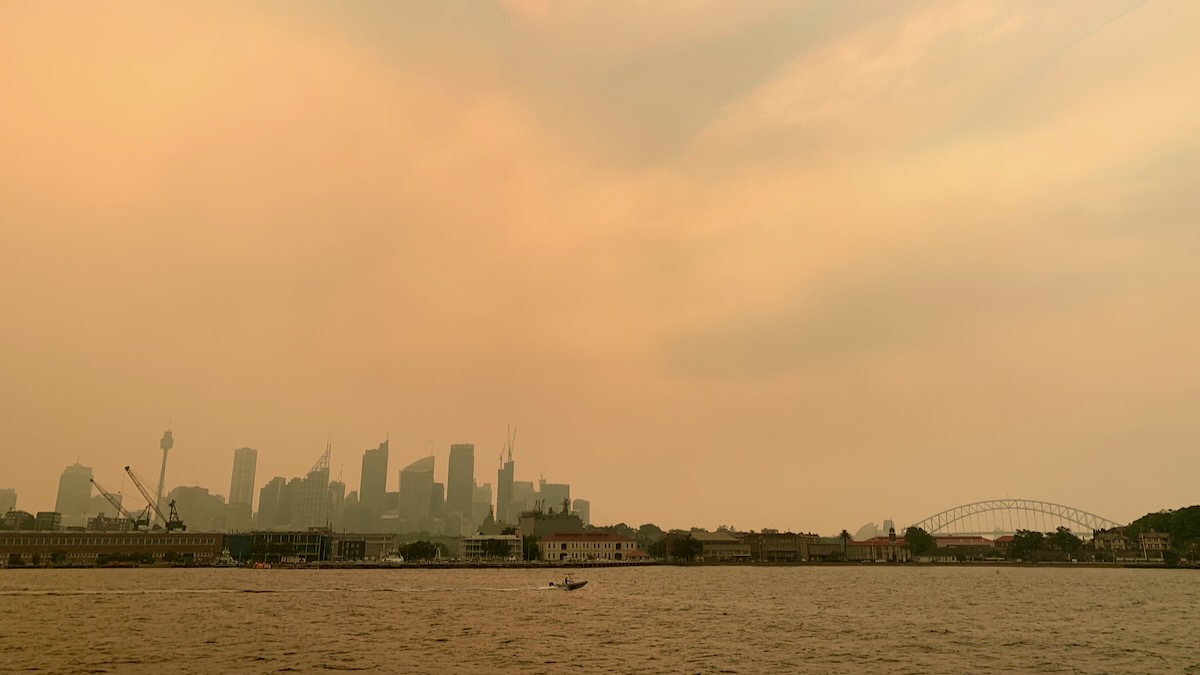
(765, 264)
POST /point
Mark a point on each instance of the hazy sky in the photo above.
(765, 264)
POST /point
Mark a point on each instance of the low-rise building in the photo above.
(721, 547)
(491, 547)
(584, 546)
(775, 546)
(291, 547)
(890, 549)
(48, 521)
(87, 548)
(1153, 544)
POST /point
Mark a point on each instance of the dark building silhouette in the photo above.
(504, 491)
(74, 493)
(241, 489)
(372, 487)
(416, 491)
(460, 481)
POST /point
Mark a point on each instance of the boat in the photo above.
(391, 560)
(568, 584)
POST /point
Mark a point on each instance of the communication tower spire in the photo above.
(167, 442)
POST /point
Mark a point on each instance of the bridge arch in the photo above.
(1006, 516)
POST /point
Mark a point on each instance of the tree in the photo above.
(686, 548)
(658, 549)
(648, 534)
(919, 541)
(419, 550)
(529, 545)
(1064, 540)
(494, 548)
(845, 537)
(1026, 544)
(36, 559)
(171, 557)
(58, 557)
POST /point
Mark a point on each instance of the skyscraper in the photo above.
(416, 492)
(272, 512)
(554, 496)
(8, 500)
(504, 485)
(74, 492)
(583, 509)
(241, 489)
(460, 480)
(372, 486)
(310, 501)
(481, 504)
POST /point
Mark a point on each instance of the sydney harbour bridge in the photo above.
(997, 517)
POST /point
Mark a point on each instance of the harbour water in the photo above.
(851, 619)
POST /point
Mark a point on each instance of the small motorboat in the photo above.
(568, 584)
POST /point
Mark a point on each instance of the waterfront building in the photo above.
(460, 481)
(8, 500)
(372, 487)
(74, 493)
(291, 547)
(241, 489)
(583, 509)
(368, 546)
(416, 495)
(585, 546)
(504, 488)
(775, 546)
(1153, 544)
(877, 549)
(84, 548)
(491, 547)
(721, 547)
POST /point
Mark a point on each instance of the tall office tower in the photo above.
(437, 501)
(74, 492)
(523, 497)
(583, 509)
(99, 506)
(8, 500)
(270, 504)
(554, 496)
(372, 486)
(504, 488)
(199, 510)
(241, 490)
(481, 505)
(337, 504)
(416, 491)
(460, 481)
(310, 502)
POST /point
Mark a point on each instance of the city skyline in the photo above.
(834, 262)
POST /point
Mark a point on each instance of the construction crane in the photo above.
(172, 522)
(142, 520)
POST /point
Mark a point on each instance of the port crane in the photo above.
(172, 522)
(141, 520)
